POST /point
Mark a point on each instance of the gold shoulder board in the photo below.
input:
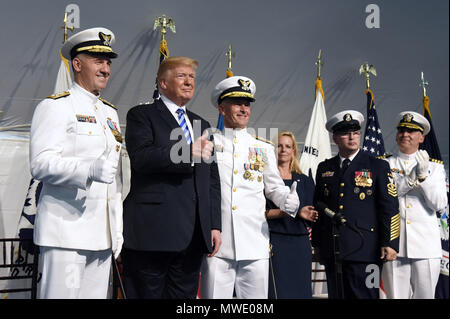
(107, 103)
(384, 156)
(58, 95)
(263, 139)
(436, 161)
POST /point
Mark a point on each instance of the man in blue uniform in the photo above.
(364, 231)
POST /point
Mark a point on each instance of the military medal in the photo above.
(356, 190)
(259, 178)
(114, 130)
(363, 179)
(362, 195)
(86, 118)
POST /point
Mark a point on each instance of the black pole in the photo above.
(338, 274)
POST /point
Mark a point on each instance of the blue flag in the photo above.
(163, 54)
(430, 144)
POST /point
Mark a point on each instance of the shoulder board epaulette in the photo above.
(58, 95)
(384, 156)
(263, 139)
(436, 161)
(107, 103)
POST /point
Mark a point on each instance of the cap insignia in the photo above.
(106, 38)
(347, 117)
(244, 85)
(408, 117)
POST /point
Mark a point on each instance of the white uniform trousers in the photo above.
(407, 278)
(74, 274)
(249, 278)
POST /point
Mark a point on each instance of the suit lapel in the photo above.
(166, 115)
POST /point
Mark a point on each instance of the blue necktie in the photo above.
(183, 125)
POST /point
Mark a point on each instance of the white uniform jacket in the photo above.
(68, 133)
(248, 169)
(419, 229)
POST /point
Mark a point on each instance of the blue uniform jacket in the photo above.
(367, 197)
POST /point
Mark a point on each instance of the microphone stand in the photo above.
(338, 258)
(338, 274)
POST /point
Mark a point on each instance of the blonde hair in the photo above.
(294, 165)
(173, 62)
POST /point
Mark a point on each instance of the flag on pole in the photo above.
(430, 144)
(316, 149)
(63, 79)
(220, 123)
(317, 146)
(373, 143)
(163, 54)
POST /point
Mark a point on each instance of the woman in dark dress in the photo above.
(290, 266)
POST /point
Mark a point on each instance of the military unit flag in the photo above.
(317, 145)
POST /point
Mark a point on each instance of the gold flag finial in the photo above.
(423, 84)
(319, 63)
(230, 55)
(367, 69)
(163, 23)
(65, 27)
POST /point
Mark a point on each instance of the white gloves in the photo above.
(410, 176)
(119, 246)
(422, 159)
(103, 170)
(291, 203)
(420, 171)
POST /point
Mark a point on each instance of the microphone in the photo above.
(336, 217)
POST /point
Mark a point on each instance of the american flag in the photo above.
(373, 138)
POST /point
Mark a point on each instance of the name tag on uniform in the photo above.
(219, 148)
(86, 118)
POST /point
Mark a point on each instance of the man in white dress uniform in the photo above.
(421, 189)
(75, 151)
(248, 169)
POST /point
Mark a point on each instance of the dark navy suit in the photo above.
(291, 247)
(170, 210)
(370, 205)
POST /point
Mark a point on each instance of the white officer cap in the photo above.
(344, 121)
(413, 121)
(92, 41)
(233, 87)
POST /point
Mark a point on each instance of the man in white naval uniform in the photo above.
(421, 191)
(75, 151)
(248, 169)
